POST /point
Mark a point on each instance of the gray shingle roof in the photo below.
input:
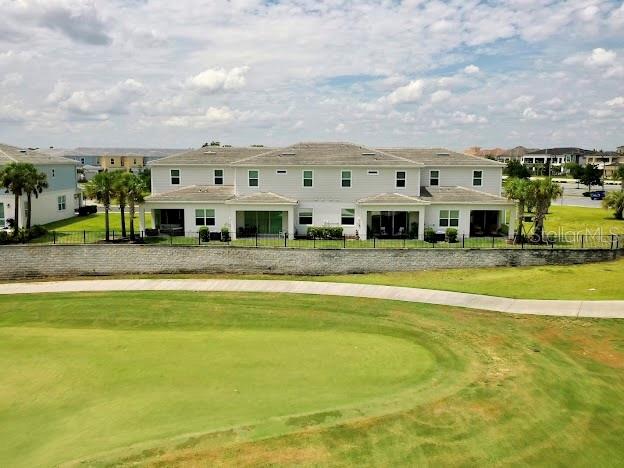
(195, 193)
(440, 157)
(391, 198)
(268, 198)
(460, 195)
(217, 155)
(326, 154)
(9, 154)
(149, 152)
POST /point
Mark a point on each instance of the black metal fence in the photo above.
(571, 241)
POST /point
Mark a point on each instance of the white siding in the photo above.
(329, 214)
(327, 182)
(189, 175)
(462, 176)
(222, 214)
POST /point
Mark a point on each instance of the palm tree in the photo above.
(120, 187)
(101, 188)
(136, 195)
(615, 201)
(35, 184)
(518, 190)
(14, 178)
(543, 192)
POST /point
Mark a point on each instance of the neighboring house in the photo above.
(369, 192)
(602, 159)
(620, 149)
(56, 202)
(555, 156)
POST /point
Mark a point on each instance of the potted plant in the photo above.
(225, 233)
(430, 235)
(204, 234)
(451, 235)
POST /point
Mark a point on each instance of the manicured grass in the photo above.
(95, 222)
(573, 219)
(193, 379)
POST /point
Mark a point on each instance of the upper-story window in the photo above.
(112, 161)
(308, 178)
(61, 202)
(82, 160)
(401, 177)
(477, 178)
(218, 176)
(122, 161)
(253, 178)
(434, 177)
(1, 215)
(175, 176)
(53, 173)
(345, 178)
(134, 162)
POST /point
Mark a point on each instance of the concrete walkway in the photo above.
(598, 309)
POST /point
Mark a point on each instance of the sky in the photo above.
(455, 74)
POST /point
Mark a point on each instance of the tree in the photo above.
(543, 192)
(101, 189)
(574, 169)
(120, 189)
(136, 195)
(36, 182)
(591, 176)
(517, 169)
(519, 190)
(615, 201)
(619, 175)
(14, 178)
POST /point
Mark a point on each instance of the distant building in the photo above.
(555, 156)
(620, 149)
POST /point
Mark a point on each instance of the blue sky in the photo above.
(377, 72)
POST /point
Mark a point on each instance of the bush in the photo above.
(204, 234)
(413, 232)
(4, 237)
(87, 210)
(325, 232)
(225, 233)
(451, 235)
(504, 230)
(151, 232)
(37, 231)
(430, 235)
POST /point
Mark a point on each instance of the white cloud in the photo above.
(600, 57)
(440, 95)
(218, 79)
(464, 118)
(471, 69)
(616, 102)
(11, 79)
(411, 92)
(213, 116)
(340, 128)
(98, 103)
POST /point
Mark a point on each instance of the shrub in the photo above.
(151, 232)
(413, 232)
(504, 230)
(451, 235)
(325, 232)
(225, 233)
(204, 234)
(430, 235)
(4, 237)
(37, 231)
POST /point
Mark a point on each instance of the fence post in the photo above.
(256, 238)
(314, 242)
(612, 242)
(374, 243)
(582, 241)
(285, 239)
(492, 241)
(170, 238)
(199, 238)
(113, 234)
(344, 241)
(463, 241)
(404, 242)
(84, 237)
(54, 237)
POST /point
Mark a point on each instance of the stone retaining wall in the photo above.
(24, 261)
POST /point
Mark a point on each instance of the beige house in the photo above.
(117, 162)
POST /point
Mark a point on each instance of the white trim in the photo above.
(257, 178)
(396, 179)
(350, 171)
(303, 185)
(214, 176)
(439, 178)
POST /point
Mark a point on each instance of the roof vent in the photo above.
(210, 152)
(443, 154)
(369, 154)
(22, 151)
(288, 154)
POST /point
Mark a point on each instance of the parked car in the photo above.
(597, 195)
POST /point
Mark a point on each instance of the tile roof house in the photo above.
(368, 191)
(56, 202)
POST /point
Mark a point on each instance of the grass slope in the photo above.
(95, 222)
(179, 379)
(564, 220)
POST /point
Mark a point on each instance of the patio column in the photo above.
(421, 224)
(512, 221)
(291, 222)
(142, 218)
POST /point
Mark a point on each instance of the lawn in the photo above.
(95, 222)
(564, 220)
(187, 379)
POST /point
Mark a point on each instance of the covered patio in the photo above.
(263, 214)
(392, 215)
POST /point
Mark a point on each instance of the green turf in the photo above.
(188, 379)
(564, 220)
(95, 222)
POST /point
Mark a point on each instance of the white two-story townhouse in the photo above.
(57, 202)
(368, 192)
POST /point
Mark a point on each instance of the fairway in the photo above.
(173, 379)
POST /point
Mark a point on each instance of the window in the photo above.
(218, 176)
(347, 216)
(400, 179)
(253, 178)
(82, 160)
(449, 218)
(345, 177)
(477, 178)
(372, 172)
(134, 162)
(122, 162)
(204, 217)
(307, 178)
(175, 176)
(112, 161)
(434, 177)
(53, 173)
(305, 216)
(61, 202)
(1, 215)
